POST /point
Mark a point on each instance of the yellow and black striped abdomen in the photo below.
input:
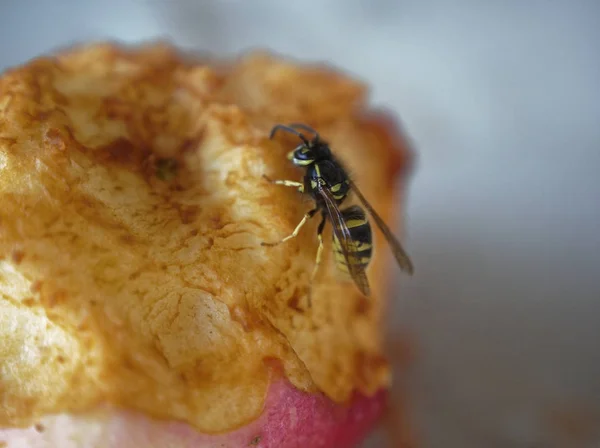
(361, 247)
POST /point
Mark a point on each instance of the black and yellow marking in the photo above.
(301, 156)
(301, 162)
(361, 246)
(339, 191)
(336, 188)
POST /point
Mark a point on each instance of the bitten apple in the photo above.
(137, 305)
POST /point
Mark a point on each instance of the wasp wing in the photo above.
(342, 234)
(401, 256)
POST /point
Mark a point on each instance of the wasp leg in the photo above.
(294, 234)
(287, 183)
(320, 249)
(318, 259)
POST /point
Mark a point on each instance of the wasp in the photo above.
(328, 183)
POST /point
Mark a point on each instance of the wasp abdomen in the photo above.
(361, 247)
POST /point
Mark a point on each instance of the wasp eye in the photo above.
(302, 153)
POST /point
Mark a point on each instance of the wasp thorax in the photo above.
(330, 172)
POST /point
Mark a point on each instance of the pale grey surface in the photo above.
(502, 100)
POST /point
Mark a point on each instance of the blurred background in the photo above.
(502, 102)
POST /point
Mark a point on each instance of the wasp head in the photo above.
(309, 153)
(310, 150)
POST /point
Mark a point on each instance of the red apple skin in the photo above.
(291, 419)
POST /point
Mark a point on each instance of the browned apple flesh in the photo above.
(133, 285)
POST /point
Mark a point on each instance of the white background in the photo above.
(502, 102)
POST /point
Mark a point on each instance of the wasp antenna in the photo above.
(306, 128)
(281, 127)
